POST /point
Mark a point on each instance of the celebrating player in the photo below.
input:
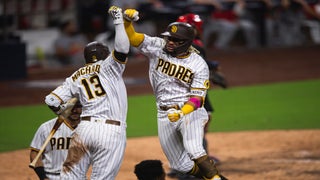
(180, 79)
(216, 77)
(50, 162)
(100, 138)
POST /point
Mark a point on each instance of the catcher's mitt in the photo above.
(216, 77)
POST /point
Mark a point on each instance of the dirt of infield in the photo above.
(276, 155)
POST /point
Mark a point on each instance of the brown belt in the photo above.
(108, 121)
(55, 174)
(166, 108)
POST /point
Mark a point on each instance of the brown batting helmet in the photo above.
(95, 51)
(182, 31)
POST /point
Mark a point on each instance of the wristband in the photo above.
(196, 102)
(191, 105)
(40, 172)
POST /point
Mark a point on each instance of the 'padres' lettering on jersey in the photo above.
(177, 71)
(174, 79)
(86, 70)
(60, 143)
(57, 149)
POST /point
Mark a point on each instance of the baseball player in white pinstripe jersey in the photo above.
(179, 77)
(100, 138)
(49, 166)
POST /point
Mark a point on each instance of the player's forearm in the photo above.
(134, 37)
(54, 102)
(192, 104)
(39, 169)
(121, 39)
(33, 154)
(58, 106)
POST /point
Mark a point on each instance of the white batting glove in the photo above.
(131, 15)
(68, 106)
(116, 14)
(64, 109)
(174, 114)
(60, 109)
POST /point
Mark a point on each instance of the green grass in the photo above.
(277, 106)
(142, 115)
(18, 124)
(293, 105)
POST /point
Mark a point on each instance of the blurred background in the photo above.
(39, 35)
(256, 42)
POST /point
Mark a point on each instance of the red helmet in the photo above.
(193, 19)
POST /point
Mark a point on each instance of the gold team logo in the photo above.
(207, 84)
(174, 29)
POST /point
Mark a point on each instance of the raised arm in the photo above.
(121, 42)
(135, 38)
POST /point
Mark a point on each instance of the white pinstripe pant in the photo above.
(103, 146)
(182, 141)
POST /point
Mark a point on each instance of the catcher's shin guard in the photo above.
(207, 167)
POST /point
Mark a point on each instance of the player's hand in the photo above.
(131, 15)
(116, 14)
(174, 114)
(60, 109)
(65, 109)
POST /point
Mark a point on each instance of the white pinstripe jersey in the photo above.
(57, 149)
(174, 79)
(100, 89)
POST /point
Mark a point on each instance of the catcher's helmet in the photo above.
(95, 51)
(193, 19)
(183, 32)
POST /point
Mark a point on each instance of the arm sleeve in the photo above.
(121, 43)
(135, 38)
(190, 105)
(60, 95)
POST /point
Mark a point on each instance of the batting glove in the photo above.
(131, 15)
(60, 109)
(116, 14)
(64, 109)
(174, 114)
(68, 106)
